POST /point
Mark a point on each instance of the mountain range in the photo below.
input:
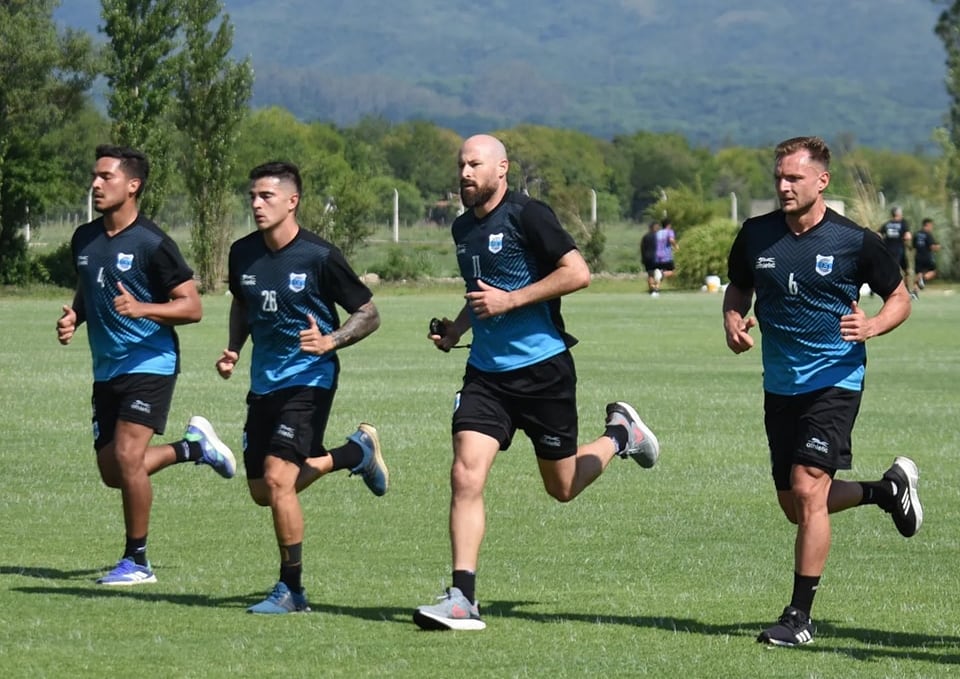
(747, 72)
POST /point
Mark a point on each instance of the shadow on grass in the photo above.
(43, 573)
(878, 644)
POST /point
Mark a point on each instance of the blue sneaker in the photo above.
(128, 572)
(215, 452)
(372, 468)
(281, 600)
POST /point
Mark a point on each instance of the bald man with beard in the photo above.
(517, 262)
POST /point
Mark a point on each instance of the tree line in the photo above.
(173, 91)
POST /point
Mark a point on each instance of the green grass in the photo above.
(663, 572)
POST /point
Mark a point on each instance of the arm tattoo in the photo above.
(361, 323)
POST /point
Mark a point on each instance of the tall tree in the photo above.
(141, 71)
(213, 91)
(948, 30)
(43, 77)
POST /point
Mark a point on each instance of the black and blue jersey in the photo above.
(278, 290)
(149, 265)
(518, 243)
(804, 284)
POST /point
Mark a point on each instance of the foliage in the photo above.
(141, 69)
(344, 219)
(404, 263)
(703, 252)
(657, 162)
(425, 155)
(55, 267)
(685, 206)
(410, 203)
(213, 92)
(43, 76)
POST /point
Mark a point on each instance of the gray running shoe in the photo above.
(215, 452)
(372, 469)
(454, 612)
(642, 444)
(906, 509)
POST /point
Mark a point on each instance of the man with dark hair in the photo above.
(648, 255)
(517, 261)
(806, 264)
(286, 284)
(134, 287)
(925, 263)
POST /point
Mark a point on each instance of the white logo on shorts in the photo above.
(818, 445)
(285, 431)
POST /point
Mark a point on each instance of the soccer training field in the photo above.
(669, 572)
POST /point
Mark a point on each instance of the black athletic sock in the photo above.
(291, 566)
(136, 549)
(877, 493)
(347, 456)
(188, 451)
(804, 589)
(466, 582)
(619, 434)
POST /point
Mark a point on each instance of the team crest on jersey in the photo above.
(495, 244)
(124, 261)
(824, 264)
(298, 281)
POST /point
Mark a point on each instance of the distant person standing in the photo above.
(648, 255)
(133, 288)
(924, 245)
(896, 236)
(286, 284)
(666, 244)
(805, 263)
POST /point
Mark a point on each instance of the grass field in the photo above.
(668, 572)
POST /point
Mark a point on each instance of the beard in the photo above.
(472, 195)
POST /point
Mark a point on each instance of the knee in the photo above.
(559, 492)
(464, 481)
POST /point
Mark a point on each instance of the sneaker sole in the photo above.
(201, 423)
(643, 458)
(371, 431)
(428, 621)
(910, 470)
(128, 583)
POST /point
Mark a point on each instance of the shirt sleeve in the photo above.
(878, 268)
(738, 268)
(544, 235)
(347, 289)
(169, 266)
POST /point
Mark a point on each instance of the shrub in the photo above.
(703, 251)
(405, 263)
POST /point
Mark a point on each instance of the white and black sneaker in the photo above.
(906, 510)
(794, 628)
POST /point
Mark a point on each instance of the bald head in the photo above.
(483, 173)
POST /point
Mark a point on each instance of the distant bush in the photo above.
(405, 263)
(55, 268)
(703, 251)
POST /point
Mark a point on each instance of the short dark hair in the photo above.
(281, 170)
(926, 220)
(815, 146)
(134, 163)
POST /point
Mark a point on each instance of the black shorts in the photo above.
(141, 398)
(287, 423)
(811, 429)
(665, 266)
(540, 400)
(649, 265)
(924, 264)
